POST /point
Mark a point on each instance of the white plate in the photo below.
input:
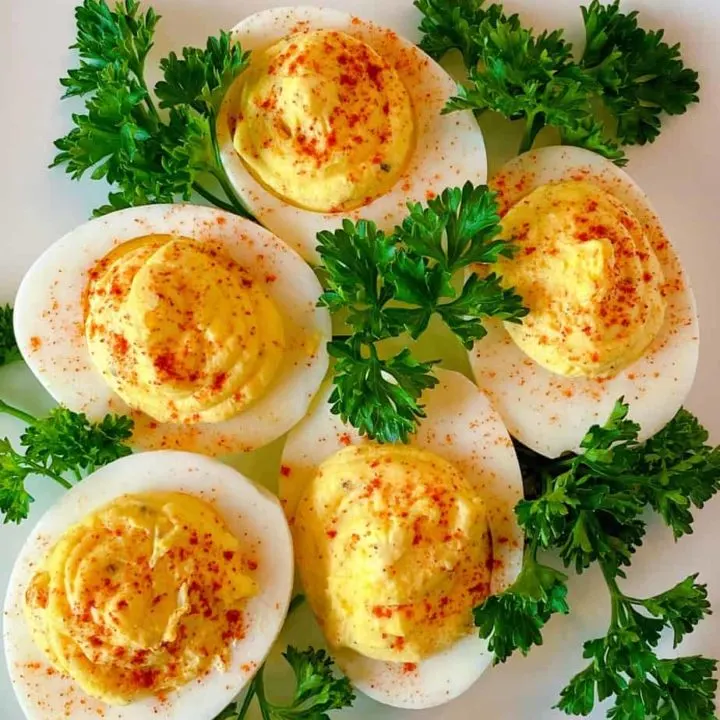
(680, 173)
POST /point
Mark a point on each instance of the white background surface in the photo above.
(679, 173)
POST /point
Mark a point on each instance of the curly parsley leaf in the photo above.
(112, 132)
(682, 607)
(66, 441)
(14, 498)
(624, 663)
(120, 141)
(590, 509)
(514, 619)
(480, 298)
(380, 398)
(317, 692)
(200, 77)
(356, 260)
(121, 137)
(390, 284)
(9, 351)
(590, 134)
(684, 468)
(121, 38)
(62, 443)
(641, 76)
(453, 25)
(457, 228)
(681, 687)
(534, 79)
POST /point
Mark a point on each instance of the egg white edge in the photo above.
(452, 403)
(455, 151)
(250, 512)
(62, 271)
(553, 426)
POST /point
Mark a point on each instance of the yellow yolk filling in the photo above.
(141, 596)
(394, 551)
(181, 331)
(590, 277)
(324, 122)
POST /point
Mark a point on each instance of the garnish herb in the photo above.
(9, 351)
(391, 284)
(640, 76)
(61, 444)
(534, 78)
(591, 510)
(317, 690)
(145, 155)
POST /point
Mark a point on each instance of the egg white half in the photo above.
(252, 514)
(449, 149)
(550, 413)
(460, 427)
(50, 328)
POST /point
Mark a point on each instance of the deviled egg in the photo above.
(337, 117)
(611, 314)
(152, 603)
(396, 544)
(202, 326)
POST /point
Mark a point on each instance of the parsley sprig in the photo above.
(62, 444)
(624, 663)
(534, 77)
(513, 620)
(122, 137)
(591, 510)
(391, 284)
(641, 76)
(9, 351)
(317, 690)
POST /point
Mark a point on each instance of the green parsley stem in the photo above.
(150, 118)
(219, 172)
(295, 603)
(40, 469)
(214, 199)
(531, 550)
(616, 595)
(633, 600)
(138, 68)
(43, 470)
(148, 99)
(237, 207)
(253, 688)
(247, 702)
(16, 412)
(37, 467)
(533, 126)
(526, 142)
(260, 692)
